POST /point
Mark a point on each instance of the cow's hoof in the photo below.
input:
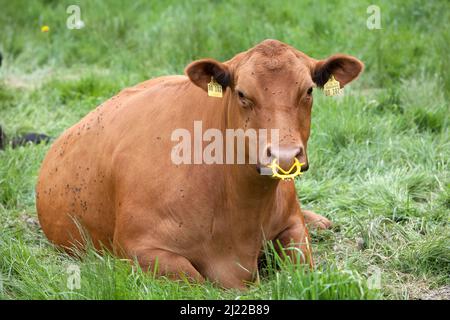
(315, 220)
(324, 223)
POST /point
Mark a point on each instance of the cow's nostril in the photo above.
(299, 153)
(269, 152)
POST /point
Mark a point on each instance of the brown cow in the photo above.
(112, 172)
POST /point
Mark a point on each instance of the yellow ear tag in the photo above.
(332, 87)
(214, 89)
(294, 171)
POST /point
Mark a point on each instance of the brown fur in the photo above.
(112, 171)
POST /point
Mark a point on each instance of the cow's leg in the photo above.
(165, 263)
(137, 237)
(134, 244)
(316, 220)
(295, 243)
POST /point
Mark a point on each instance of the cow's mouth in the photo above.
(275, 171)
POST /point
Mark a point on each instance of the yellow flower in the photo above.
(45, 29)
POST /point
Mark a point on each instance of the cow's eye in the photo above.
(309, 92)
(243, 100)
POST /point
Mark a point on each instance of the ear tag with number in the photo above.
(214, 89)
(332, 87)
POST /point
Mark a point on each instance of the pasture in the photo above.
(379, 155)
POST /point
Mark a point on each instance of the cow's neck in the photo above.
(248, 191)
(250, 195)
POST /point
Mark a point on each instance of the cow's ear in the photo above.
(343, 67)
(201, 71)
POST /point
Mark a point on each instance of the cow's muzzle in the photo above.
(278, 163)
(286, 156)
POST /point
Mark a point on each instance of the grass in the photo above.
(379, 155)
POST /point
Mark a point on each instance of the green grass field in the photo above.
(379, 155)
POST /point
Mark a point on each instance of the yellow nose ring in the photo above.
(293, 172)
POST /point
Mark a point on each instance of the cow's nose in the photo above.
(286, 156)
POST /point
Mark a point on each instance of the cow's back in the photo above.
(124, 141)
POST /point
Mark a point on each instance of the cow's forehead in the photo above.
(272, 58)
(280, 71)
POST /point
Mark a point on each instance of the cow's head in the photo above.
(270, 87)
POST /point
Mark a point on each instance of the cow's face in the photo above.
(270, 87)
